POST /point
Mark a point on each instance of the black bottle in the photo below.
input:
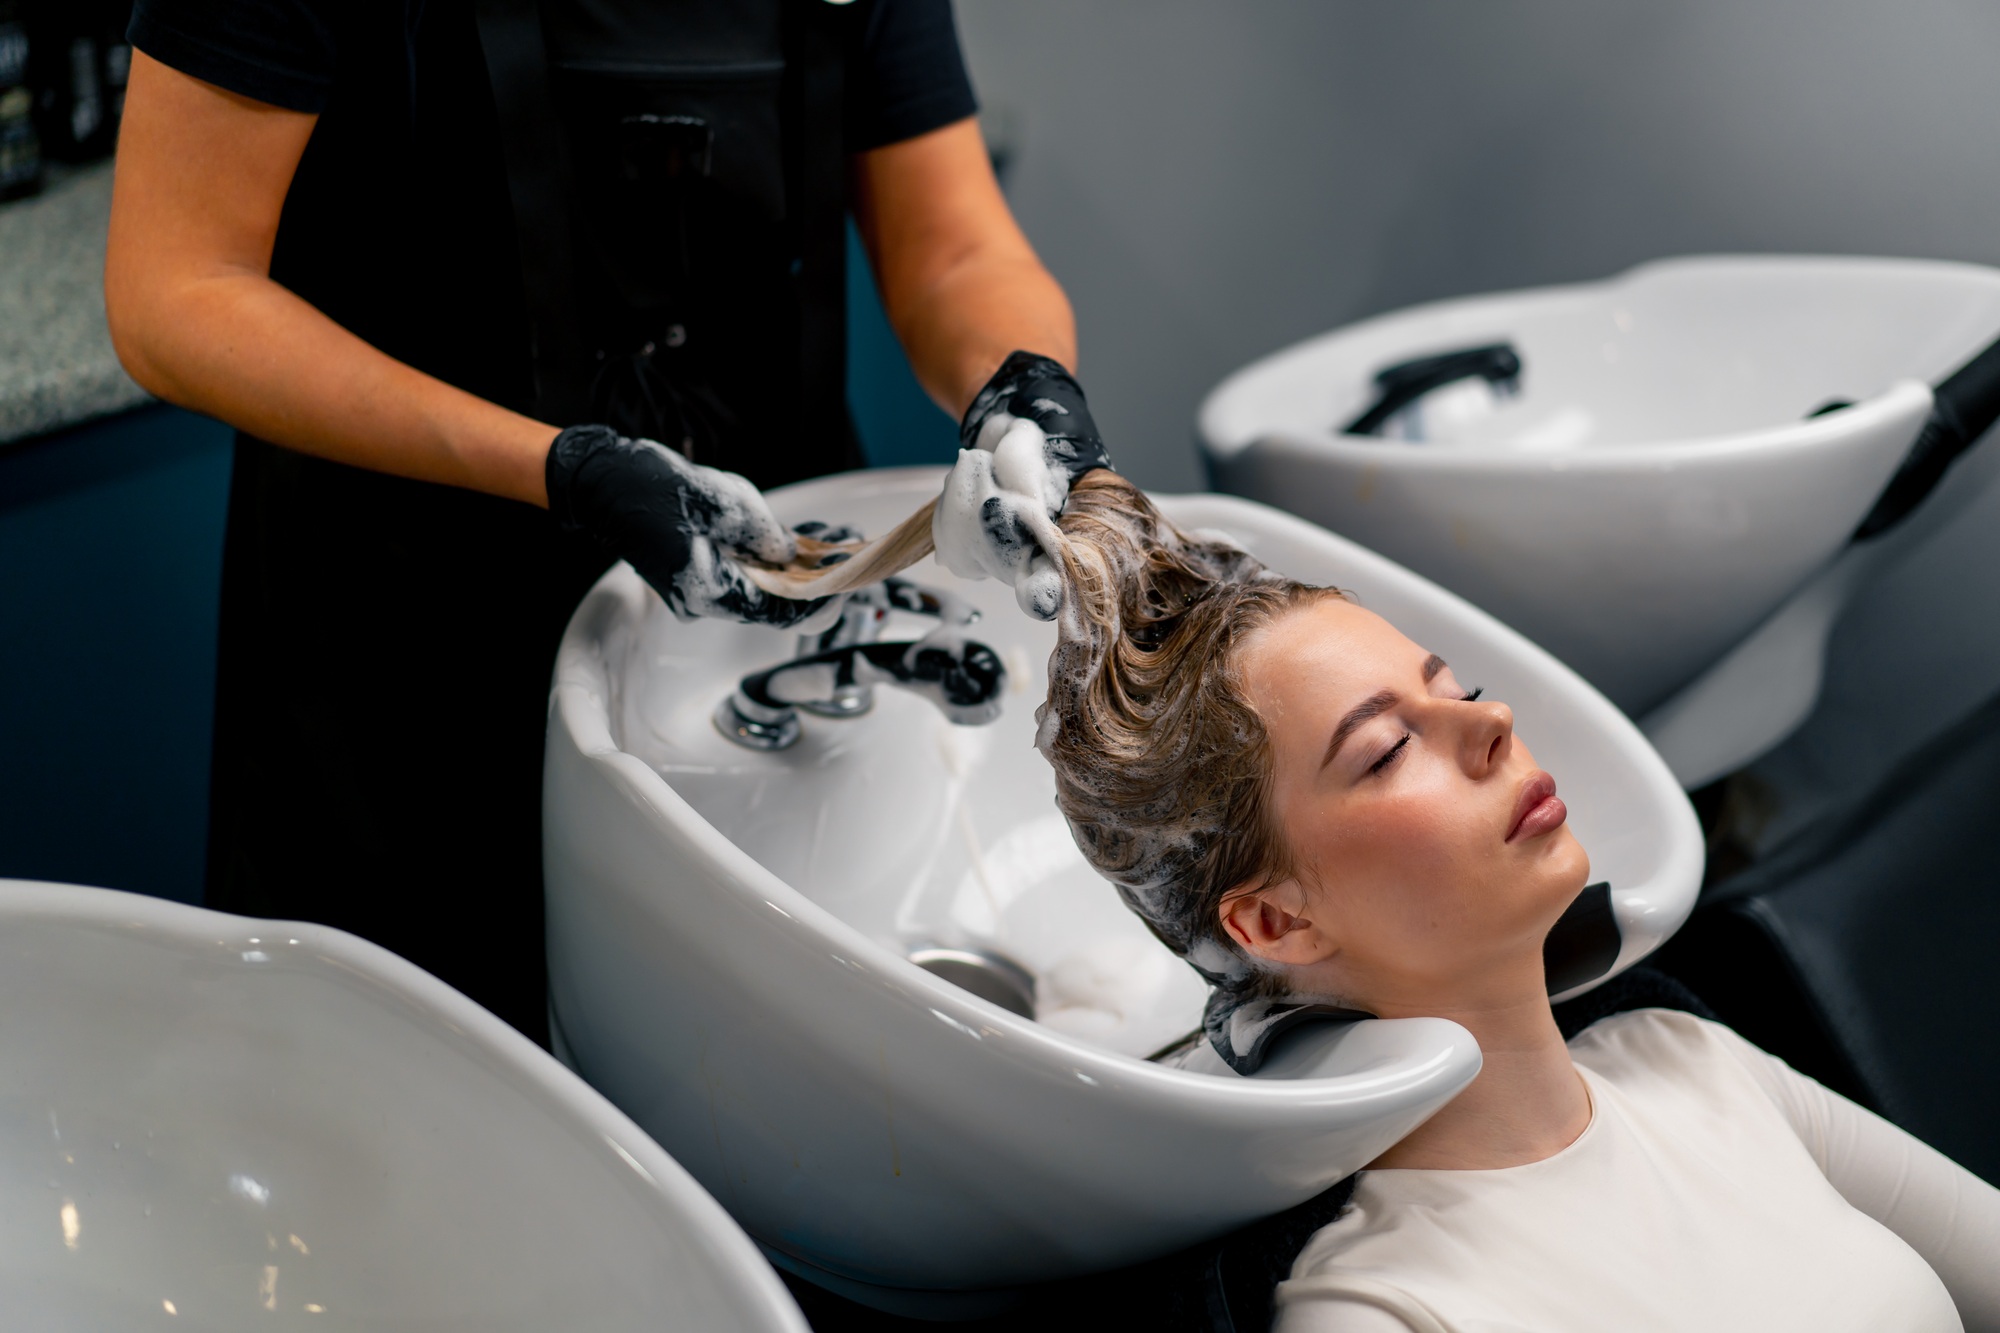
(20, 147)
(78, 75)
(117, 17)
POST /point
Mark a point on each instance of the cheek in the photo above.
(1422, 850)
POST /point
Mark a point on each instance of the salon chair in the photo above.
(1860, 949)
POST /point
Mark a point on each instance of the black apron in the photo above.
(693, 291)
(676, 175)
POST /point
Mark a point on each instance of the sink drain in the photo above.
(993, 977)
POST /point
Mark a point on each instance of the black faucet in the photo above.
(835, 672)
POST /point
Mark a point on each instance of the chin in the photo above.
(1548, 879)
(1565, 867)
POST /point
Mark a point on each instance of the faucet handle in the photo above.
(903, 595)
(860, 622)
(867, 609)
(962, 678)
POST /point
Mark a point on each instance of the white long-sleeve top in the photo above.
(1715, 1189)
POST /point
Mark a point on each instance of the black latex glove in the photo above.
(677, 523)
(996, 517)
(1032, 387)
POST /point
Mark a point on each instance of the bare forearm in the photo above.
(201, 180)
(960, 283)
(964, 324)
(241, 348)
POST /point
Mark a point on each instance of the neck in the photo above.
(1528, 1102)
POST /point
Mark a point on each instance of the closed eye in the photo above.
(1474, 695)
(1389, 756)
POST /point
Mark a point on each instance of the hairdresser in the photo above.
(447, 267)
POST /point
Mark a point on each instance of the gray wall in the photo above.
(1212, 181)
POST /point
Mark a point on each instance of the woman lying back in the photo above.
(1307, 806)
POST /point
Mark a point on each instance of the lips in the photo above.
(1537, 811)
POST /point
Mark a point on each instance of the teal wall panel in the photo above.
(898, 423)
(111, 543)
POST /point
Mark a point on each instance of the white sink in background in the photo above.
(729, 930)
(209, 1122)
(1655, 490)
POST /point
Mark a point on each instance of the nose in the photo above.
(1486, 738)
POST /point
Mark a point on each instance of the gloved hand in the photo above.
(1024, 442)
(676, 522)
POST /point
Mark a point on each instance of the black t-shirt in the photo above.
(398, 223)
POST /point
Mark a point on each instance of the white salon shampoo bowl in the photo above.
(216, 1123)
(1656, 488)
(728, 932)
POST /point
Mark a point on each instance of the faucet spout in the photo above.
(963, 677)
(835, 673)
(861, 621)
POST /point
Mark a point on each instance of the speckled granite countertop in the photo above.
(56, 363)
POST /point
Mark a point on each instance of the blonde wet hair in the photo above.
(1163, 769)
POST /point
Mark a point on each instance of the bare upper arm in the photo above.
(200, 182)
(926, 204)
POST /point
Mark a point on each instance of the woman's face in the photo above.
(1431, 854)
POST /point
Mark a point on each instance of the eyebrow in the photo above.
(1372, 707)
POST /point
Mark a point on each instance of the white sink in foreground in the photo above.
(209, 1122)
(727, 931)
(1655, 490)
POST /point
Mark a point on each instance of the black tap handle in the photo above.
(1397, 386)
(968, 677)
(967, 674)
(903, 595)
(1963, 408)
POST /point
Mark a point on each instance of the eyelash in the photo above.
(1393, 751)
(1397, 748)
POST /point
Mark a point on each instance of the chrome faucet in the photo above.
(834, 672)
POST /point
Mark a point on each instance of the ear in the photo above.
(1270, 923)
